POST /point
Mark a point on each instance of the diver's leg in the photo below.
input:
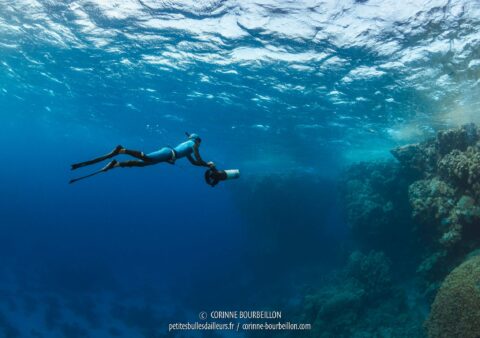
(131, 163)
(137, 154)
(115, 164)
(124, 164)
(166, 154)
(111, 154)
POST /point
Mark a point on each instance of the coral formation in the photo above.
(445, 198)
(418, 217)
(456, 309)
(326, 310)
(376, 207)
(433, 201)
(462, 169)
(418, 158)
(456, 139)
(430, 201)
(359, 301)
(375, 198)
(371, 272)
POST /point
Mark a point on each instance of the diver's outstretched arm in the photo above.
(198, 158)
(198, 161)
(192, 160)
(111, 154)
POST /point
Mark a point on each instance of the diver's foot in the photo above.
(75, 166)
(110, 165)
(118, 149)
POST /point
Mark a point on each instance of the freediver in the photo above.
(188, 149)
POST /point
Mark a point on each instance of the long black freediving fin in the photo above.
(98, 159)
(107, 167)
(86, 176)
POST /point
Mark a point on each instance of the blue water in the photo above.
(274, 88)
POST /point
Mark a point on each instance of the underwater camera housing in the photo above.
(213, 176)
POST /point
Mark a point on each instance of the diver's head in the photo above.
(194, 137)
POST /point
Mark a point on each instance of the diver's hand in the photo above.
(211, 165)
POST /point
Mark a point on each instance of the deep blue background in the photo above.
(289, 92)
(156, 230)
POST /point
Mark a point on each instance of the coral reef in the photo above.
(326, 310)
(375, 199)
(431, 199)
(456, 139)
(445, 198)
(418, 158)
(371, 272)
(456, 309)
(423, 157)
(428, 201)
(461, 168)
(434, 202)
(361, 301)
